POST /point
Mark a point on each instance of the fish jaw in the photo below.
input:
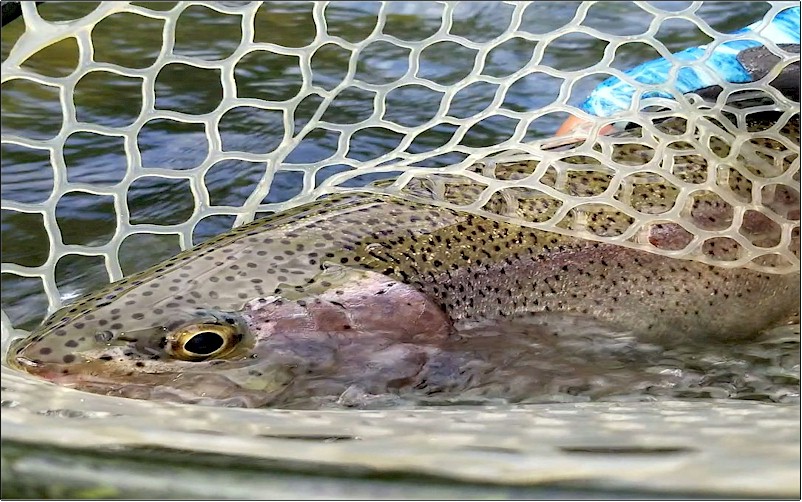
(242, 382)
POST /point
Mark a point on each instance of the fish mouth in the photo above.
(190, 387)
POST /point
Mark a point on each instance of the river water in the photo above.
(598, 429)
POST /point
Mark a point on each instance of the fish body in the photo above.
(366, 288)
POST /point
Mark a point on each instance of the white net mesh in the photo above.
(710, 156)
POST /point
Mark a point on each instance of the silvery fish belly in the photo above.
(367, 294)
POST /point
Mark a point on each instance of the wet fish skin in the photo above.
(118, 340)
(657, 297)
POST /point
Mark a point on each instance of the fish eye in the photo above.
(197, 342)
(204, 343)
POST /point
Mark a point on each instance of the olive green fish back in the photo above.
(729, 193)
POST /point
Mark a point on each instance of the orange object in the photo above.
(574, 123)
(570, 125)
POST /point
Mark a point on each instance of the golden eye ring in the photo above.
(198, 342)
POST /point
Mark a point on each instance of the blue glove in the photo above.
(738, 61)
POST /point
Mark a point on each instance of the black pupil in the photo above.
(204, 343)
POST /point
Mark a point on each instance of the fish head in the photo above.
(224, 322)
(246, 355)
(184, 354)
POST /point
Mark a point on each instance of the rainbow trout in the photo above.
(364, 291)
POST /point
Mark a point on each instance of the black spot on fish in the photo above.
(68, 358)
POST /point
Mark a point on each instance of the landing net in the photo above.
(751, 175)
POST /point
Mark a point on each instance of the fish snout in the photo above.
(54, 348)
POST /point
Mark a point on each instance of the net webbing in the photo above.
(711, 156)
